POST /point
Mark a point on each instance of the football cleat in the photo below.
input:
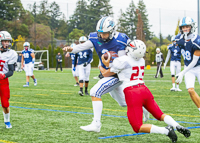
(177, 89)
(155, 76)
(35, 82)
(173, 89)
(77, 84)
(86, 93)
(26, 85)
(183, 131)
(172, 135)
(80, 93)
(93, 127)
(8, 125)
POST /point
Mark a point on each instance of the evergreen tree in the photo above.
(128, 20)
(146, 26)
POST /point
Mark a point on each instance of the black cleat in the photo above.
(172, 135)
(183, 131)
(86, 93)
(80, 93)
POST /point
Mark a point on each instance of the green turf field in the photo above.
(52, 111)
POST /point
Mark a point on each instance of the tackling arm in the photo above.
(106, 73)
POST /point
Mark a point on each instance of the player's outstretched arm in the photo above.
(167, 58)
(106, 73)
(22, 62)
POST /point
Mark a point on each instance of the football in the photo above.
(110, 54)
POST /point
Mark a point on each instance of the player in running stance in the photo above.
(130, 70)
(175, 63)
(189, 44)
(28, 57)
(105, 39)
(8, 58)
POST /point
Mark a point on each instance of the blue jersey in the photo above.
(72, 55)
(175, 52)
(119, 42)
(27, 55)
(83, 57)
(188, 48)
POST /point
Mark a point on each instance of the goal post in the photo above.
(40, 58)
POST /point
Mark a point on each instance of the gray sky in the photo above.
(170, 10)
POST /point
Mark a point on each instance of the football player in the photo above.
(175, 63)
(8, 58)
(189, 43)
(130, 70)
(105, 39)
(74, 70)
(85, 59)
(28, 57)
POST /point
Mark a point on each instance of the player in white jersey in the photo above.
(28, 59)
(130, 70)
(105, 39)
(175, 62)
(8, 58)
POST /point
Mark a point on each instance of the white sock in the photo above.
(6, 117)
(170, 121)
(97, 110)
(159, 130)
(173, 84)
(199, 109)
(177, 86)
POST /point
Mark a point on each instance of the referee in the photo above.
(159, 59)
(59, 61)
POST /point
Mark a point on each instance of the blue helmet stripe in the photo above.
(183, 21)
(101, 25)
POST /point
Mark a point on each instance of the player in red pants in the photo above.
(8, 58)
(130, 70)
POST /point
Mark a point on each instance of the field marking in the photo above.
(78, 107)
(42, 94)
(117, 136)
(171, 96)
(4, 141)
(40, 89)
(65, 93)
(89, 113)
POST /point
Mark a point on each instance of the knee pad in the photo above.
(80, 81)
(86, 81)
(173, 75)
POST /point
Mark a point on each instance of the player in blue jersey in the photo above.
(28, 59)
(105, 39)
(189, 44)
(175, 63)
(85, 59)
(74, 70)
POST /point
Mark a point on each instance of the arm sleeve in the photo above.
(90, 57)
(192, 64)
(81, 47)
(11, 68)
(121, 53)
(75, 60)
(168, 56)
(13, 59)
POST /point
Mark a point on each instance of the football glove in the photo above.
(2, 76)
(85, 64)
(74, 69)
(179, 77)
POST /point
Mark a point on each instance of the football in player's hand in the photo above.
(110, 54)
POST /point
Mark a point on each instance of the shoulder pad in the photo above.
(122, 38)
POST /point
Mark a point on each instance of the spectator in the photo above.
(19, 62)
(59, 61)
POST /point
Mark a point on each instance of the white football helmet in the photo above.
(82, 39)
(5, 36)
(173, 38)
(187, 21)
(106, 25)
(157, 49)
(26, 44)
(72, 45)
(136, 49)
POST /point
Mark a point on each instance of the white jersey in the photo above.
(7, 58)
(130, 71)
